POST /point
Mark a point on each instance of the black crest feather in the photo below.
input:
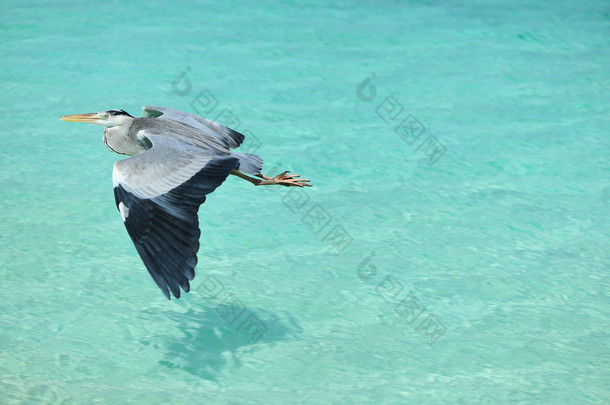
(118, 112)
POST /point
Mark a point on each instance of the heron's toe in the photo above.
(291, 180)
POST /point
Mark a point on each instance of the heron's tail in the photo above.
(249, 163)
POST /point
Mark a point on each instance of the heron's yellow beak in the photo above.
(91, 118)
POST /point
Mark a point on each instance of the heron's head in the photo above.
(108, 118)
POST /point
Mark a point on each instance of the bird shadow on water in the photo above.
(210, 343)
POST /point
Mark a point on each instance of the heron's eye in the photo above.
(106, 116)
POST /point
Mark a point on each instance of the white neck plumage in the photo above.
(117, 139)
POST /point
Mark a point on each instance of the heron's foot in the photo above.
(290, 180)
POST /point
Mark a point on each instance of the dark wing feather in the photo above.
(165, 228)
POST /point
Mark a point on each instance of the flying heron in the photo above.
(176, 160)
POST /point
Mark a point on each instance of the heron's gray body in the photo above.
(177, 159)
(186, 128)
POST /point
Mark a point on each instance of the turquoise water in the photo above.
(453, 249)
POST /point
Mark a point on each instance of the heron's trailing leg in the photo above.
(283, 179)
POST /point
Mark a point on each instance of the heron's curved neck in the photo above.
(118, 140)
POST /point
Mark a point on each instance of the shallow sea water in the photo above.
(453, 249)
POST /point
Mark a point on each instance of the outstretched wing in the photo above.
(158, 194)
(231, 138)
